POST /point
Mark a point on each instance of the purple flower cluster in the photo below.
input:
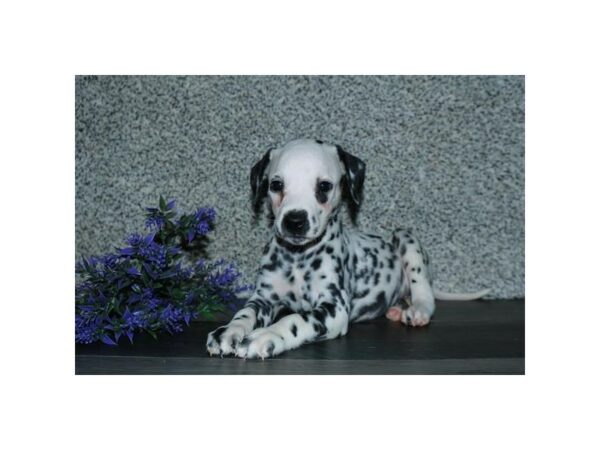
(201, 223)
(156, 218)
(146, 286)
(149, 250)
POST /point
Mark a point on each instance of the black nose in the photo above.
(296, 222)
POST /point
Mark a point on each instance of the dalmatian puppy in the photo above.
(326, 275)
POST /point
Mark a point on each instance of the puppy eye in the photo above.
(325, 186)
(276, 186)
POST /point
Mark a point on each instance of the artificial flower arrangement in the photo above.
(158, 282)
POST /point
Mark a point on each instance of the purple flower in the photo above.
(148, 250)
(202, 228)
(148, 285)
(86, 331)
(155, 222)
(133, 320)
(135, 240)
(156, 218)
(134, 271)
(107, 340)
(224, 277)
(205, 214)
(171, 318)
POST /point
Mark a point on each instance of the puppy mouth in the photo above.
(295, 239)
(298, 240)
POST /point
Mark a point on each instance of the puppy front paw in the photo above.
(261, 343)
(224, 340)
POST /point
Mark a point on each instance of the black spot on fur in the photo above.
(330, 308)
(316, 264)
(402, 249)
(414, 281)
(335, 291)
(218, 332)
(362, 294)
(273, 265)
(373, 309)
(321, 196)
(294, 330)
(270, 349)
(319, 328)
(318, 314)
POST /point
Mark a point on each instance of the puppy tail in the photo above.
(440, 295)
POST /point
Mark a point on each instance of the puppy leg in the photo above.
(328, 320)
(258, 312)
(417, 281)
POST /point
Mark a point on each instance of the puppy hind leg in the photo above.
(417, 278)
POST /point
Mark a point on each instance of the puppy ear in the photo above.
(258, 180)
(352, 181)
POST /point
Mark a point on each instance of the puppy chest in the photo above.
(300, 286)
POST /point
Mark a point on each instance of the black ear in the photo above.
(352, 182)
(258, 180)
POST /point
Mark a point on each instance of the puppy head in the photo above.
(305, 181)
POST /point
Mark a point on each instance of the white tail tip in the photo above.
(463, 296)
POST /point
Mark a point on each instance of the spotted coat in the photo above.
(316, 275)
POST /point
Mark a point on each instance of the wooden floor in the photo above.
(481, 337)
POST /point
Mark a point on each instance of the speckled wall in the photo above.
(444, 155)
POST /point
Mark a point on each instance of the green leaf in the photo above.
(177, 294)
(152, 333)
(208, 315)
(162, 204)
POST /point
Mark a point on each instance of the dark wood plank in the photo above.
(466, 337)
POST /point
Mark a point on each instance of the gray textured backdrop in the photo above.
(444, 155)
